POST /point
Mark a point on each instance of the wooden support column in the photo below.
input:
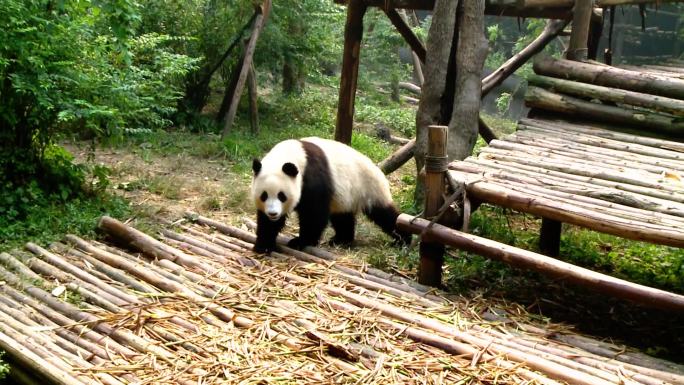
(549, 237)
(259, 22)
(432, 253)
(353, 32)
(577, 49)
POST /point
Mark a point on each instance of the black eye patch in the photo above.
(263, 196)
(282, 197)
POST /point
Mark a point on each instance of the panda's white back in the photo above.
(357, 182)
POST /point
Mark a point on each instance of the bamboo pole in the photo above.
(526, 259)
(432, 253)
(551, 369)
(35, 363)
(568, 213)
(540, 172)
(661, 146)
(536, 139)
(616, 95)
(596, 197)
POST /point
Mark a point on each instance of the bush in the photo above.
(74, 66)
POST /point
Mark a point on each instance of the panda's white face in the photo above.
(273, 202)
(276, 190)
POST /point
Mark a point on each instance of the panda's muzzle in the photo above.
(273, 216)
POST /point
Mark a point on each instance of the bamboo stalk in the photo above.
(35, 363)
(526, 259)
(112, 273)
(15, 266)
(568, 213)
(446, 344)
(557, 157)
(674, 147)
(649, 181)
(46, 348)
(595, 196)
(535, 138)
(534, 171)
(155, 279)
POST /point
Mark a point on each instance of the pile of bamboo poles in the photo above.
(648, 98)
(622, 184)
(197, 306)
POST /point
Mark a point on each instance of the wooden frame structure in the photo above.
(582, 13)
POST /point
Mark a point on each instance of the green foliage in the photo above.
(74, 67)
(4, 367)
(46, 221)
(398, 118)
(502, 102)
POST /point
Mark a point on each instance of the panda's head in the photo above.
(276, 190)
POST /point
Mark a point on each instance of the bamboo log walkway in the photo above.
(621, 184)
(196, 306)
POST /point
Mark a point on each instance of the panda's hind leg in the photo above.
(344, 225)
(385, 216)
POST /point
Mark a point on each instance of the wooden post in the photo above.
(577, 49)
(432, 253)
(549, 237)
(259, 22)
(353, 32)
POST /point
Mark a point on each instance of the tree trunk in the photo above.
(610, 77)
(657, 103)
(438, 45)
(293, 76)
(651, 122)
(253, 100)
(470, 57)
(259, 22)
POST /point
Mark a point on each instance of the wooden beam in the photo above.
(610, 77)
(353, 33)
(648, 121)
(526, 259)
(577, 48)
(552, 29)
(406, 32)
(432, 254)
(259, 22)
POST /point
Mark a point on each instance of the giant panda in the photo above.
(323, 181)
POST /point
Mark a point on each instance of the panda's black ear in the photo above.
(256, 166)
(290, 169)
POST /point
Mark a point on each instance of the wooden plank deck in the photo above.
(616, 183)
(197, 307)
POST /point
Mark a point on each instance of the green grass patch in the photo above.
(50, 221)
(648, 264)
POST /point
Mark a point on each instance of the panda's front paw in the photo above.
(296, 243)
(262, 249)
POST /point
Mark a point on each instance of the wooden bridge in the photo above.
(197, 307)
